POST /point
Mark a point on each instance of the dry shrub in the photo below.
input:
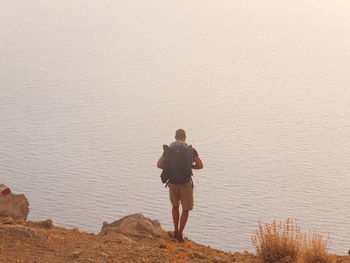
(277, 241)
(315, 249)
(284, 242)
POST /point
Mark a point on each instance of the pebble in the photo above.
(162, 246)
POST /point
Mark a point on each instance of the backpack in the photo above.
(178, 164)
(164, 176)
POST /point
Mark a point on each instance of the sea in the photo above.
(91, 90)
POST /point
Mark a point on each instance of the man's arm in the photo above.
(198, 164)
(160, 162)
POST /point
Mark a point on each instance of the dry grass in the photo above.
(284, 242)
(276, 241)
(315, 249)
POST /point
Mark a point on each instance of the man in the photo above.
(180, 192)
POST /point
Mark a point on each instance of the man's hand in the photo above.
(198, 164)
(160, 163)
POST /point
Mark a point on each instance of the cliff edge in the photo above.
(133, 238)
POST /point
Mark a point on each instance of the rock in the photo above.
(7, 220)
(22, 231)
(170, 234)
(162, 246)
(198, 255)
(218, 260)
(287, 259)
(76, 254)
(136, 226)
(103, 254)
(181, 250)
(15, 206)
(117, 238)
(46, 223)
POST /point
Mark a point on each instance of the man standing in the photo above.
(179, 159)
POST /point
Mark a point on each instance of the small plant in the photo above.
(276, 241)
(284, 242)
(315, 249)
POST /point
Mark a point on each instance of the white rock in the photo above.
(135, 225)
(15, 206)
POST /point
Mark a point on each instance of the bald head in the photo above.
(180, 134)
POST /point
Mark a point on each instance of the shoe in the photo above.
(180, 238)
(175, 234)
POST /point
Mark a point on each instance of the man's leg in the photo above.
(175, 201)
(176, 218)
(183, 220)
(187, 202)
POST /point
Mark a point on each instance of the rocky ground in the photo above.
(133, 238)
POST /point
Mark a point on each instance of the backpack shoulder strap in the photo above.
(189, 150)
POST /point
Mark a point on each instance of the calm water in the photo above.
(90, 90)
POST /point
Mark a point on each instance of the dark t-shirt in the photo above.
(195, 153)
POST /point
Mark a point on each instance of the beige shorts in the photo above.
(181, 193)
